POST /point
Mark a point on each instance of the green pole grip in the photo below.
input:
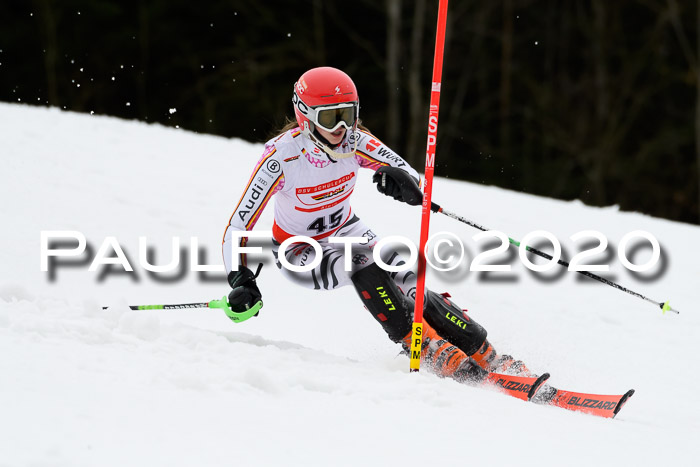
(236, 317)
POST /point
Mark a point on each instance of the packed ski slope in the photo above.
(312, 381)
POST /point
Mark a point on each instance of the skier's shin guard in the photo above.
(384, 301)
(451, 323)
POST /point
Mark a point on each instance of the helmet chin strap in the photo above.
(324, 145)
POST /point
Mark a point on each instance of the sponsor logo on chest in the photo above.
(334, 190)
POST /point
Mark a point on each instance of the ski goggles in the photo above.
(332, 117)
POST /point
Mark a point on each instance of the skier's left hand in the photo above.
(245, 299)
(398, 184)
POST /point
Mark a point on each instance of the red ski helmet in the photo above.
(325, 97)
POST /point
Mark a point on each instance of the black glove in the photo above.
(245, 291)
(398, 184)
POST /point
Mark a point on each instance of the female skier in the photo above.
(311, 167)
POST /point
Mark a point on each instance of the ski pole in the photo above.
(179, 306)
(665, 306)
(222, 304)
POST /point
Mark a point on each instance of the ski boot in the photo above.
(445, 359)
(488, 359)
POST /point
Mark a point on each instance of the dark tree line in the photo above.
(596, 100)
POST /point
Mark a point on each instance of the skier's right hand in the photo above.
(245, 297)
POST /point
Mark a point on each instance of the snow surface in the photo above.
(312, 381)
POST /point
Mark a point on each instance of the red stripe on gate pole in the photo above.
(417, 335)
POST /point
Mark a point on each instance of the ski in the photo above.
(533, 389)
(521, 387)
(600, 405)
